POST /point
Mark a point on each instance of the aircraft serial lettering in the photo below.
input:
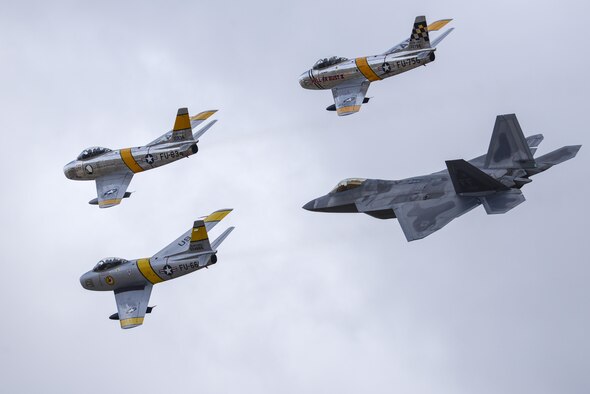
(169, 155)
(189, 266)
(405, 63)
(184, 241)
(333, 77)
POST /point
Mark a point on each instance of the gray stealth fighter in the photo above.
(425, 204)
(349, 79)
(113, 170)
(132, 280)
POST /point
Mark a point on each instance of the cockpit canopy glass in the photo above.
(108, 263)
(94, 151)
(348, 184)
(327, 62)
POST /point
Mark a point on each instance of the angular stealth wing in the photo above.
(349, 97)
(181, 243)
(111, 189)
(419, 219)
(132, 305)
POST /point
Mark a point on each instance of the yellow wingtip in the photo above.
(348, 110)
(132, 322)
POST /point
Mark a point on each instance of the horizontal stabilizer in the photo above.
(469, 180)
(199, 134)
(221, 238)
(533, 142)
(438, 39)
(560, 155)
(502, 202)
(439, 24)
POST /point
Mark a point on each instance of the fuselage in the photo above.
(373, 68)
(138, 159)
(140, 272)
(405, 190)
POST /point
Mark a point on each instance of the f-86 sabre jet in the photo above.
(132, 280)
(349, 79)
(425, 204)
(113, 169)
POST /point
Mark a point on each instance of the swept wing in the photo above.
(110, 189)
(349, 97)
(132, 304)
(419, 219)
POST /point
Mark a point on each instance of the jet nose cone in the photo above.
(304, 80)
(69, 170)
(310, 206)
(87, 281)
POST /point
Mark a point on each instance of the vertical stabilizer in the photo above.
(508, 147)
(419, 39)
(182, 130)
(199, 238)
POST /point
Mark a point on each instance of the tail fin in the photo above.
(199, 238)
(221, 238)
(199, 134)
(438, 39)
(419, 38)
(508, 147)
(533, 141)
(469, 180)
(182, 130)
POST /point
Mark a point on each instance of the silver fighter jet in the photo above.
(425, 204)
(113, 169)
(349, 79)
(132, 280)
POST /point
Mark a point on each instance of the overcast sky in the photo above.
(299, 302)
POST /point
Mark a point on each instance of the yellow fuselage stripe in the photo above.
(146, 270)
(134, 321)
(365, 69)
(199, 234)
(129, 160)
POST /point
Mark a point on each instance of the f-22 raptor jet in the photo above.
(132, 280)
(113, 170)
(425, 204)
(349, 79)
